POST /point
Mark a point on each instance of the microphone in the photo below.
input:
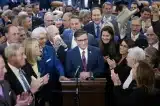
(75, 74)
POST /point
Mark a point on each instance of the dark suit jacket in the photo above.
(90, 28)
(46, 92)
(61, 52)
(136, 97)
(123, 70)
(82, 4)
(4, 2)
(45, 4)
(14, 82)
(67, 37)
(95, 62)
(141, 41)
(9, 98)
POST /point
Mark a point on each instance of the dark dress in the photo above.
(136, 97)
(123, 70)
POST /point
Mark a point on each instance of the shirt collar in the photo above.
(134, 36)
(14, 69)
(83, 50)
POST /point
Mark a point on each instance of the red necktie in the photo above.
(84, 61)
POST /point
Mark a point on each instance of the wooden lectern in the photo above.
(91, 92)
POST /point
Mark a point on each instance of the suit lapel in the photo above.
(12, 76)
(93, 29)
(89, 59)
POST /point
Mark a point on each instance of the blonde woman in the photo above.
(33, 53)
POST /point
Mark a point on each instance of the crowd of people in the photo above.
(40, 48)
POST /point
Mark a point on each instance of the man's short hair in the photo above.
(94, 8)
(146, 9)
(37, 32)
(107, 3)
(80, 32)
(12, 49)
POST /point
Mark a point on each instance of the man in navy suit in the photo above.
(95, 26)
(87, 59)
(136, 34)
(68, 37)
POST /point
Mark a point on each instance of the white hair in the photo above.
(22, 13)
(37, 32)
(12, 49)
(50, 30)
(137, 53)
(48, 14)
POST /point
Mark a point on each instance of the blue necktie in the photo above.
(23, 79)
(98, 31)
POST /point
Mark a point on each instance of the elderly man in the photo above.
(15, 74)
(48, 19)
(152, 38)
(10, 97)
(136, 34)
(50, 64)
(55, 41)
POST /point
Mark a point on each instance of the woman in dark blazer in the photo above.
(121, 67)
(144, 94)
(109, 49)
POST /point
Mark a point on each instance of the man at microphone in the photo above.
(84, 61)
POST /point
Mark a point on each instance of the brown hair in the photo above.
(108, 29)
(145, 76)
(80, 32)
(130, 43)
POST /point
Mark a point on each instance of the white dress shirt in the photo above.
(73, 43)
(134, 37)
(156, 45)
(16, 72)
(86, 53)
(70, 2)
(128, 81)
(86, 3)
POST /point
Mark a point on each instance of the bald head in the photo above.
(151, 36)
(52, 31)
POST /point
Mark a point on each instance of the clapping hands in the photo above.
(24, 99)
(115, 78)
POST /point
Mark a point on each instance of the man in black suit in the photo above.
(136, 34)
(15, 75)
(5, 91)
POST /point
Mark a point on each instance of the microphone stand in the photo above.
(76, 98)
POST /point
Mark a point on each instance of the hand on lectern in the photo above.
(63, 78)
(84, 75)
